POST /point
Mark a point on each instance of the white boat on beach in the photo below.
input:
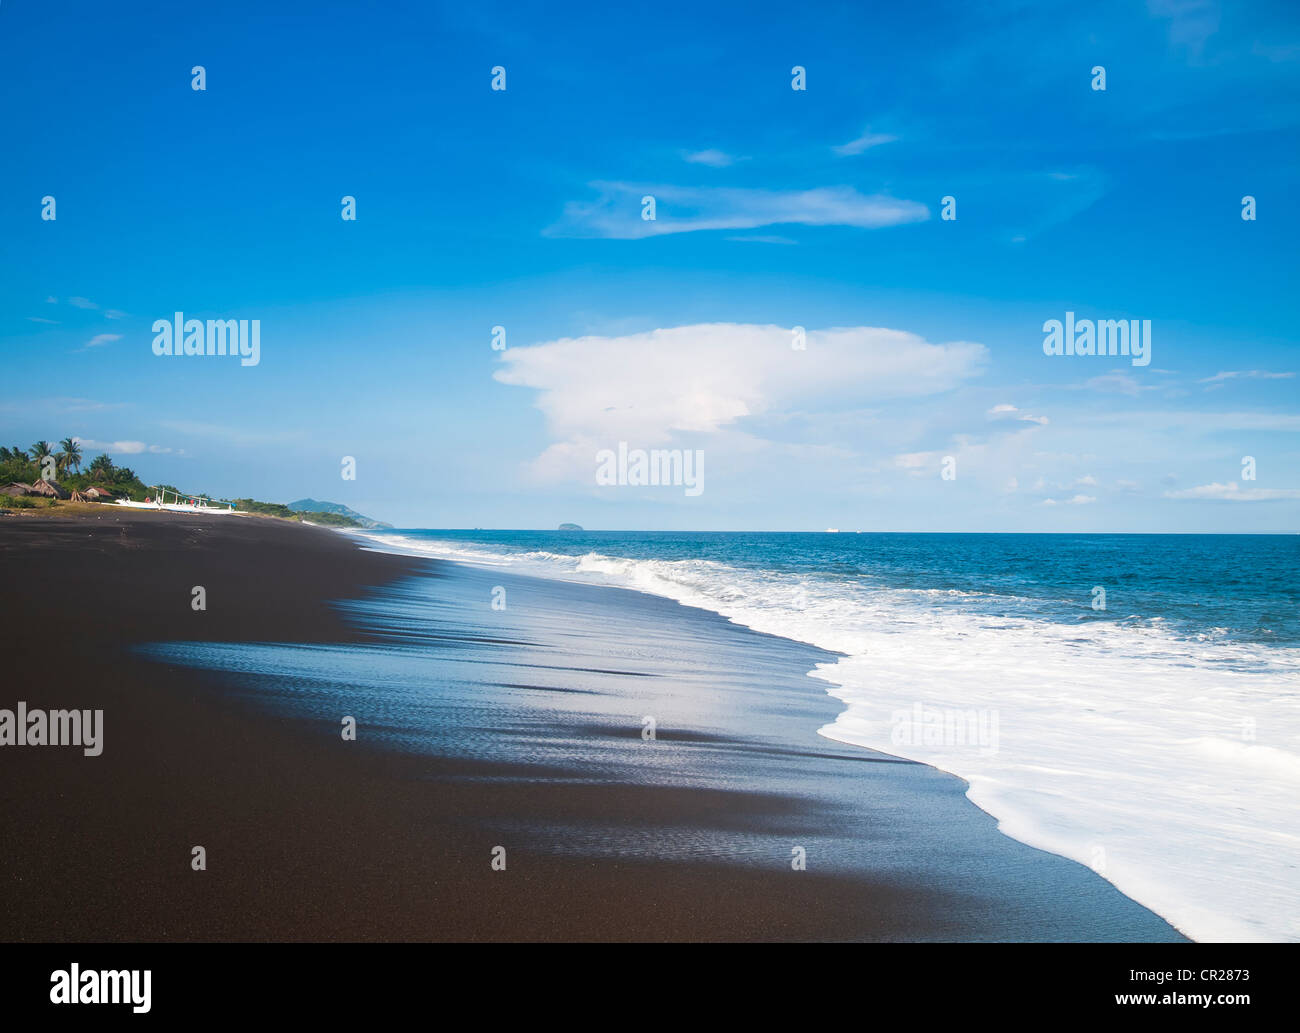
(182, 504)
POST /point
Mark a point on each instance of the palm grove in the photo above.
(42, 461)
(63, 464)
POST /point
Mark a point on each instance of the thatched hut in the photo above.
(78, 496)
(50, 489)
(16, 489)
(97, 494)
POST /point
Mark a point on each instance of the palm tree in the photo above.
(40, 450)
(102, 467)
(71, 454)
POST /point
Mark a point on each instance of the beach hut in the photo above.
(16, 489)
(50, 489)
(97, 494)
(78, 496)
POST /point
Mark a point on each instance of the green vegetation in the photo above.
(277, 509)
(317, 508)
(25, 464)
(25, 502)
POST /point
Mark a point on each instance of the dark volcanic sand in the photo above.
(476, 729)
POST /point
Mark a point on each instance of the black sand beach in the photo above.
(477, 728)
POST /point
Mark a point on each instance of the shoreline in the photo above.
(310, 840)
(1084, 714)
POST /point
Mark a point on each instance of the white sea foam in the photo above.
(1170, 765)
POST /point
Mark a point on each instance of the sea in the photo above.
(1130, 702)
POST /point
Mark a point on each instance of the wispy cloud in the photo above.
(234, 435)
(82, 303)
(616, 214)
(1007, 411)
(863, 143)
(59, 406)
(128, 448)
(917, 460)
(39, 319)
(1232, 492)
(763, 238)
(84, 405)
(1075, 500)
(1219, 379)
(99, 340)
(1054, 198)
(1153, 421)
(1115, 383)
(712, 157)
(1280, 53)
(1191, 23)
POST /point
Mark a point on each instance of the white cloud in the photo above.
(1117, 383)
(1005, 410)
(864, 142)
(693, 382)
(38, 319)
(1194, 422)
(756, 238)
(59, 405)
(1076, 500)
(712, 157)
(115, 313)
(99, 340)
(1233, 492)
(129, 448)
(616, 214)
(82, 303)
(240, 436)
(1219, 379)
(918, 460)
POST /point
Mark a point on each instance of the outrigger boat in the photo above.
(181, 503)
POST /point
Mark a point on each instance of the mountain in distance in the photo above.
(569, 527)
(313, 506)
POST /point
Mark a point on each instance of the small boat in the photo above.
(182, 503)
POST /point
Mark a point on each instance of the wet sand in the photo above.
(477, 728)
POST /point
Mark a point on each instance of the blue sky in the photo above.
(775, 208)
